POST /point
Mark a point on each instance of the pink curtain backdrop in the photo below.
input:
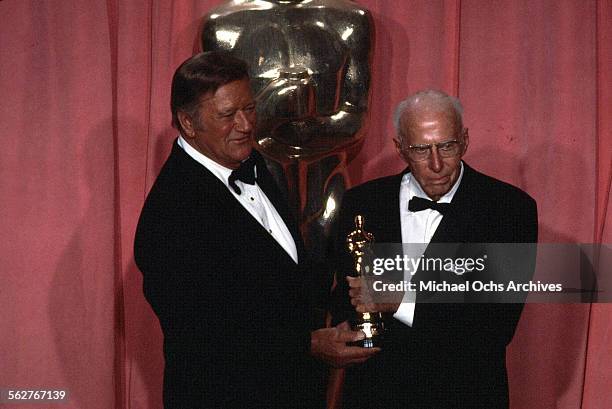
(85, 120)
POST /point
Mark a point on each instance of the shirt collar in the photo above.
(220, 171)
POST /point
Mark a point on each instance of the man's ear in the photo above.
(466, 140)
(398, 146)
(186, 124)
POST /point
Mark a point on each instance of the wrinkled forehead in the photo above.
(425, 120)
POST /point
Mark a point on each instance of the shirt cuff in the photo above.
(405, 313)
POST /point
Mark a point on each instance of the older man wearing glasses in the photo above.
(434, 355)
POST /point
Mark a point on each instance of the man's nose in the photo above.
(435, 161)
(244, 122)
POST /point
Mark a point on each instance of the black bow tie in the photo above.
(416, 204)
(245, 173)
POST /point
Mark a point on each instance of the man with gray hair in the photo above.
(434, 355)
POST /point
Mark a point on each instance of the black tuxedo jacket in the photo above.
(235, 310)
(453, 356)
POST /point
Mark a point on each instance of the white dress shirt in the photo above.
(253, 199)
(417, 228)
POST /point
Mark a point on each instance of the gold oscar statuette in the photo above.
(370, 323)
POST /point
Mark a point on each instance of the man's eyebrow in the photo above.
(233, 108)
(226, 111)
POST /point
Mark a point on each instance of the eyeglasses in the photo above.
(446, 149)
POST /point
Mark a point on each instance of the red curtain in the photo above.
(85, 120)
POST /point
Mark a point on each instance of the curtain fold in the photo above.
(598, 376)
(57, 294)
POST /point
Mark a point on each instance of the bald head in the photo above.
(427, 103)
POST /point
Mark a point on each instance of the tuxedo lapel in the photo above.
(452, 228)
(391, 207)
(379, 208)
(268, 185)
(211, 187)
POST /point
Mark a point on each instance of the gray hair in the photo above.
(428, 99)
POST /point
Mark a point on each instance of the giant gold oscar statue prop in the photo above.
(359, 244)
(310, 71)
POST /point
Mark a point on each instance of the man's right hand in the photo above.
(329, 345)
(361, 299)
